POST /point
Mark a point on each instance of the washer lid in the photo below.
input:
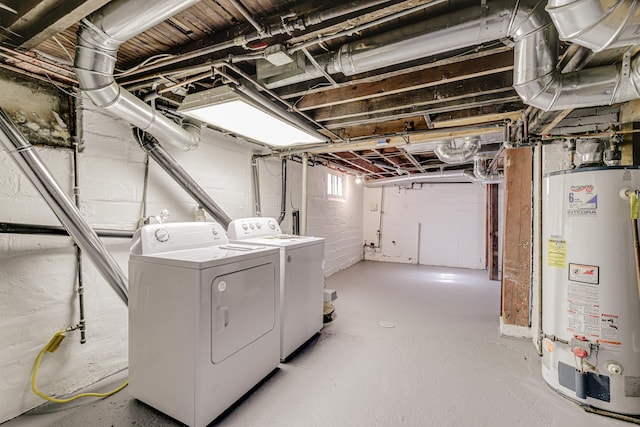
(209, 256)
(284, 240)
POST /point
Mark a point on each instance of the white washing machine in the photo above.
(203, 319)
(301, 278)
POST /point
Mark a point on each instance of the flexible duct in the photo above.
(596, 24)
(171, 167)
(535, 54)
(27, 159)
(459, 176)
(451, 152)
(98, 41)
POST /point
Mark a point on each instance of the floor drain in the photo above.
(386, 324)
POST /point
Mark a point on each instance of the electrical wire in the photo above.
(51, 347)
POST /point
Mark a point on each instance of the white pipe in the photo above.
(303, 204)
(460, 176)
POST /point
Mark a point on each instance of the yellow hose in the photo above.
(52, 346)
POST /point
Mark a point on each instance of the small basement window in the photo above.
(335, 185)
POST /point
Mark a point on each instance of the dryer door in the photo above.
(243, 309)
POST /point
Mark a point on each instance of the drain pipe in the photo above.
(283, 196)
(99, 38)
(173, 168)
(303, 204)
(27, 159)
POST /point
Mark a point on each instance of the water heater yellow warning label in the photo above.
(557, 253)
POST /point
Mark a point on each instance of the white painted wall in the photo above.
(37, 274)
(432, 224)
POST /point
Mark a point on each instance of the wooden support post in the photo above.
(492, 232)
(516, 272)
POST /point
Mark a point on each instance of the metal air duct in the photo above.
(99, 38)
(482, 174)
(452, 152)
(27, 159)
(535, 54)
(596, 24)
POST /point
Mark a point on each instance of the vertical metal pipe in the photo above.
(256, 185)
(80, 288)
(25, 156)
(283, 196)
(303, 205)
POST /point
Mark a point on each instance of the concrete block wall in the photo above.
(432, 224)
(37, 273)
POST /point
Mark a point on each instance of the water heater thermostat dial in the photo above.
(162, 235)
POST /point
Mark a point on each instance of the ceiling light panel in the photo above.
(230, 110)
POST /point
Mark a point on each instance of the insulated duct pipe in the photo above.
(596, 24)
(451, 176)
(283, 195)
(171, 167)
(535, 54)
(27, 159)
(99, 38)
(452, 153)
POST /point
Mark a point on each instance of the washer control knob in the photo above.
(258, 225)
(244, 226)
(252, 226)
(162, 235)
(214, 231)
(272, 224)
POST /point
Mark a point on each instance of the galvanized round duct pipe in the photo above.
(99, 38)
(535, 79)
(596, 24)
(25, 156)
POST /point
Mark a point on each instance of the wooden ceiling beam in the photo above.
(410, 81)
(427, 96)
(50, 17)
(507, 95)
(486, 114)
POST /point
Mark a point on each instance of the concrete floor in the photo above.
(410, 346)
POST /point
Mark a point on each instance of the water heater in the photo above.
(591, 308)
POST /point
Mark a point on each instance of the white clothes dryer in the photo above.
(301, 278)
(203, 319)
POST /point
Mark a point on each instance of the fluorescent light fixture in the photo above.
(227, 108)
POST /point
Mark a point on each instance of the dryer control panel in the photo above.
(251, 228)
(175, 236)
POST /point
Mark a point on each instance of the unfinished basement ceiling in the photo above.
(373, 119)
